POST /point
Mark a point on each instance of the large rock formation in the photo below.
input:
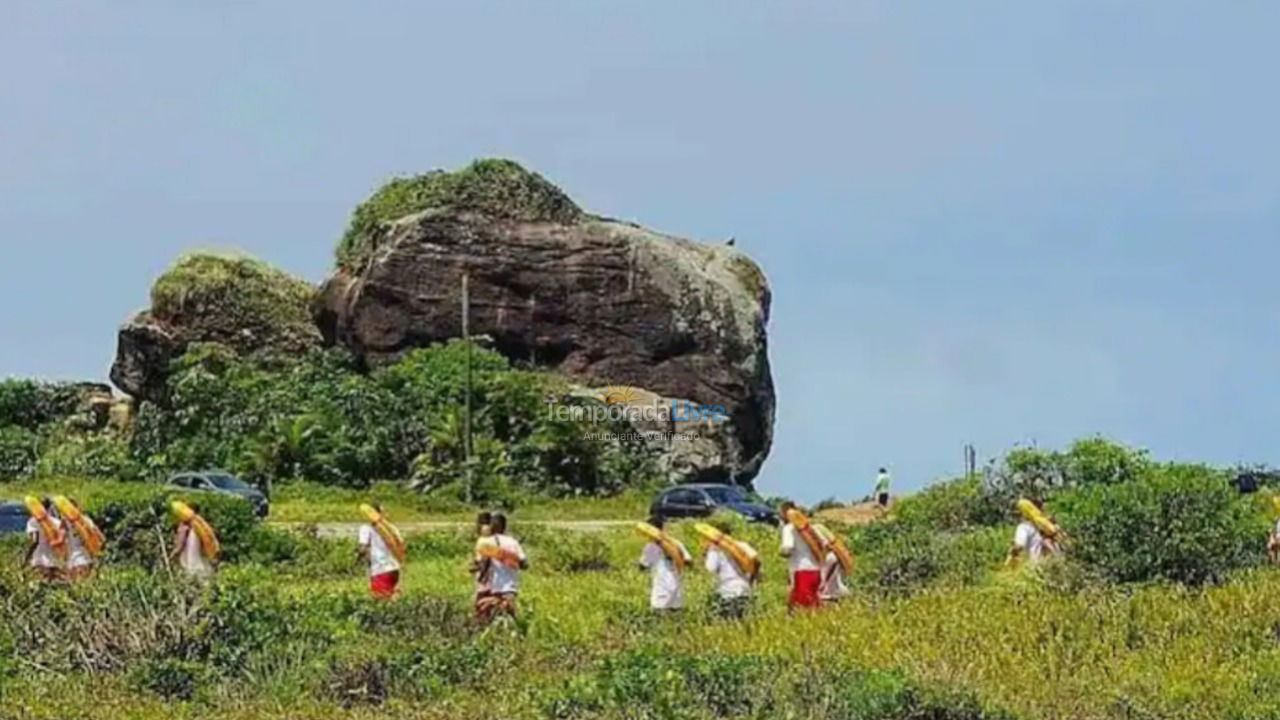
(602, 301)
(229, 299)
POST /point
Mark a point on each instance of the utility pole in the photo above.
(466, 412)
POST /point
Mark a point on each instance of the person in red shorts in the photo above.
(384, 569)
(802, 548)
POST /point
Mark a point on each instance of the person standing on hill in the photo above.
(45, 543)
(882, 488)
(666, 585)
(498, 581)
(804, 551)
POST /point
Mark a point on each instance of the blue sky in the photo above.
(987, 223)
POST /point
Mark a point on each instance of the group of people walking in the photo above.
(64, 544)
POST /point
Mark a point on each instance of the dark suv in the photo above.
(703, 499)
(219, 481)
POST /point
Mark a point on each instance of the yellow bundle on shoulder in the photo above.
(669, 545)
(1036, 516)
(743, 555)
(52, 533)
(843, 554)
(209, 545)
(388, 532)
(81, 524)
(801, 523)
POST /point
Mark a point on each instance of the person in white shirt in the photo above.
(803, 550)
(832, 588)
(498, 582)
(733, 586)
(1029, 542)
(666, 586)
(384, 568)
(79, 559)
(188, 551)
(42, 556)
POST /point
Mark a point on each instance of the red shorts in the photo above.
(384, 585)
(804, 589)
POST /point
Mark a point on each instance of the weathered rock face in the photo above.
(601, 301)
(228, 299)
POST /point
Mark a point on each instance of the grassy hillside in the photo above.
(1138, 624)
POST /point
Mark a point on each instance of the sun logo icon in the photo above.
(618, 395)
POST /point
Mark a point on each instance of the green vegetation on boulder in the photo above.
(235, 299)
(495, 187)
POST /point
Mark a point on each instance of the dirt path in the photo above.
(858, 514)
(349, 529)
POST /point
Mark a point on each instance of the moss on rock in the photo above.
(496, 187)
(237, 300)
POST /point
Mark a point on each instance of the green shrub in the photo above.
(574, 551)
(1032, 472)
(319, 418)
(89, 455)
(952, 505)
(31, 404)
(17, 452)
(1176, 522)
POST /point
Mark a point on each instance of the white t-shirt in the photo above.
(44, 555)
(730, 580)
(381, 559)
(77, 554)
(832, 587)
(666, 586)
(799, 556)
(500, 578)
(1029, 540)
(192, 559)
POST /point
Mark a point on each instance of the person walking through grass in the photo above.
(832, 589)
(498, 581)
(665, 562)
(46, 541)
(804, 551)
(382, 547)
(734, 583)
(1029, 542)
(194, 548)
(83, 540)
